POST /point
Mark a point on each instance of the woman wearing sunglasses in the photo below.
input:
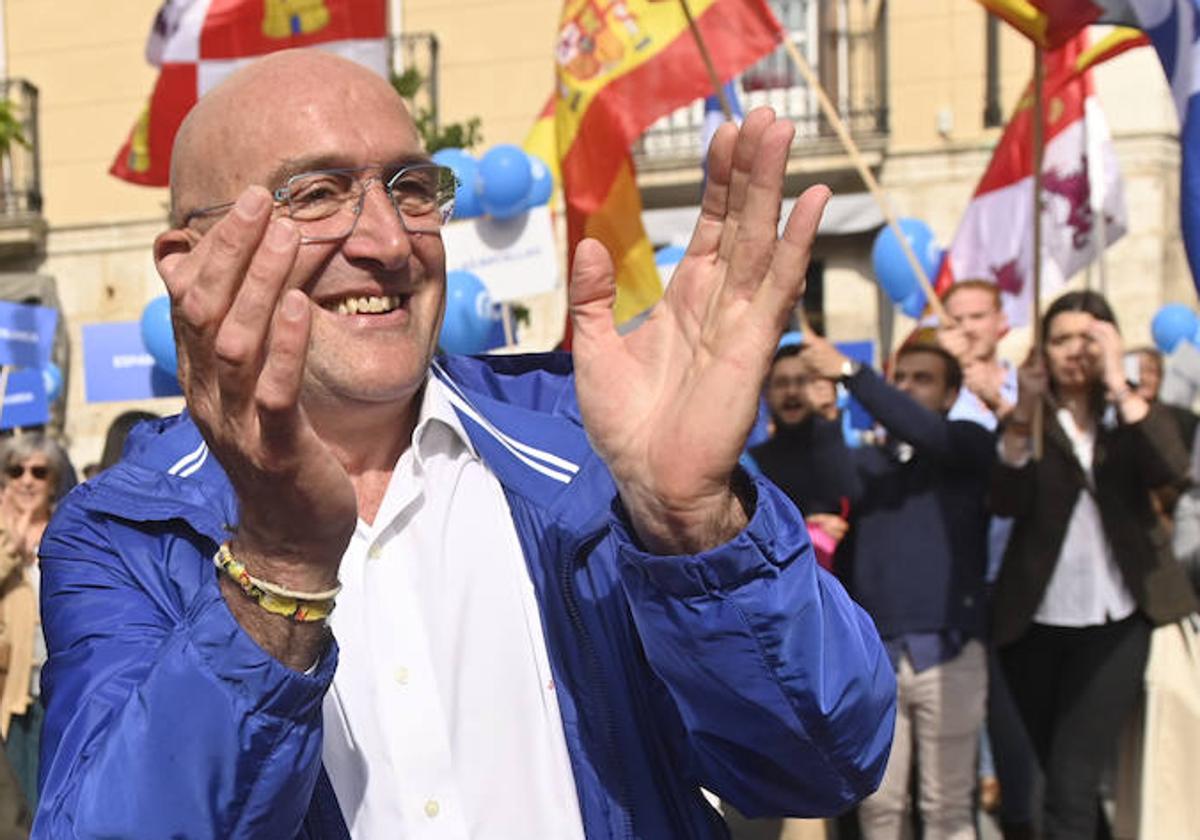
(31, 468)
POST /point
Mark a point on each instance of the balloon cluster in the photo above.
(896, 277)
(157, 335)
(1172, 324)
(473, 323)
(505, 182)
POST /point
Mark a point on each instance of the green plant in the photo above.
(11, 128)
(459, 135)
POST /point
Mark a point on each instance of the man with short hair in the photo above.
(977, 323)
(802, 456)
(914, 559)
(561, 608)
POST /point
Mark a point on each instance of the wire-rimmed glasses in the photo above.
(325, 204)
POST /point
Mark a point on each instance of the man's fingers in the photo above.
(277, 394)
(758, 224)
(706, 238)
(592, 292)
(241, 338)
(745, 152)
(204, 282)
(785, 280)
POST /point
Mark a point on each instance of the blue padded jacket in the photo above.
(745, 669)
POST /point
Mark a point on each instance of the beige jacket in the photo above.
(18, 624)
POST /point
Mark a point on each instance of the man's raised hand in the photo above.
(669, 406)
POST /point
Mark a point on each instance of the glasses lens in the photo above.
(323, 204)
(39, 472)
(424, 196)
(14, 470)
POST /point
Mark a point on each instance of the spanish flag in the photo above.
(619, 67)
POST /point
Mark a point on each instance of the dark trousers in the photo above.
(1074, 687)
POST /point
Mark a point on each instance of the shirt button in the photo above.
(374, 552)
(432, 808)
(401, 676)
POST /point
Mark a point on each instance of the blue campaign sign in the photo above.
(117, 367)
(859, 351)
(26, 334)
(25, 401)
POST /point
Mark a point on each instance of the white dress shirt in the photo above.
(442, 721)
(1086, 587)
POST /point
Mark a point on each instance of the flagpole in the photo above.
(864, 172)
(718, 88)
(1038, 140)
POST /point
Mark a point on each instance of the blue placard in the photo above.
(859, 351)
(25, 401)
(26, 334)
(117, 368)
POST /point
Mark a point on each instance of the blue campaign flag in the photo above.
(26, 334)
(25, 402)
(1173, 29)
(117, 367)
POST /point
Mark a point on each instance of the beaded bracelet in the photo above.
(301, 607)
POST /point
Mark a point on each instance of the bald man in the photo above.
(561, 608)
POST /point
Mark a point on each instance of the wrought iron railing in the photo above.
(20, 150)
(849, 56)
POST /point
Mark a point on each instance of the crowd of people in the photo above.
(1009, 529)
(651, 619)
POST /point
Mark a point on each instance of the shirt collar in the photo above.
(437, 413)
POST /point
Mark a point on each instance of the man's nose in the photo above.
(379, 233)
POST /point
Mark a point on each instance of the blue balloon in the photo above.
(158, 336)
(1172, 324)
(466, 169)
(669, 255)
(892, 270)
(791, 337)
(467, 325)
(505, 178)
(543, 183)
(52, 378)
(914, 305)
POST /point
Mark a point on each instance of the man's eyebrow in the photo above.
(290, 167)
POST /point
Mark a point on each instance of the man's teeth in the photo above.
(373, 304)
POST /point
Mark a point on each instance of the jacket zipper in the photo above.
(599, 679)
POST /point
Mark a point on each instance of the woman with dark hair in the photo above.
(31, 467)
(1088, 570)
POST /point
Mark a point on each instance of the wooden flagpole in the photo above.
(864, 172)
(1038, 141)
(718, 88)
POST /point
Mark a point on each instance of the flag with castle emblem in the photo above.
(1080, 180)
(197, 43)
(620, 65)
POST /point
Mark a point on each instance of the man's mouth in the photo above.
(367, 304)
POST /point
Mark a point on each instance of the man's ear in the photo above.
(170, 246)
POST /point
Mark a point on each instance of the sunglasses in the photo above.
(38, 471)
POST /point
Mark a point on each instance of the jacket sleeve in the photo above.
(164, 718)
(1155, 448)
(780, 680)
(962, 444)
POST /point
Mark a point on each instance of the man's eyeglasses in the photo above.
(326, 204)
(39, 471)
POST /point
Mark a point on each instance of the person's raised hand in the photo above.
(242, 339)
(954, 341)
(1033, 384)
(669, 405)
(820, 358)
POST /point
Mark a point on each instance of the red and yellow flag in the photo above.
(619, 67)
(1051, 23)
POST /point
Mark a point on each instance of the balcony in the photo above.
(846, 43)
(22, 228)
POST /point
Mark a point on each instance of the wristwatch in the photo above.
(849, 368)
